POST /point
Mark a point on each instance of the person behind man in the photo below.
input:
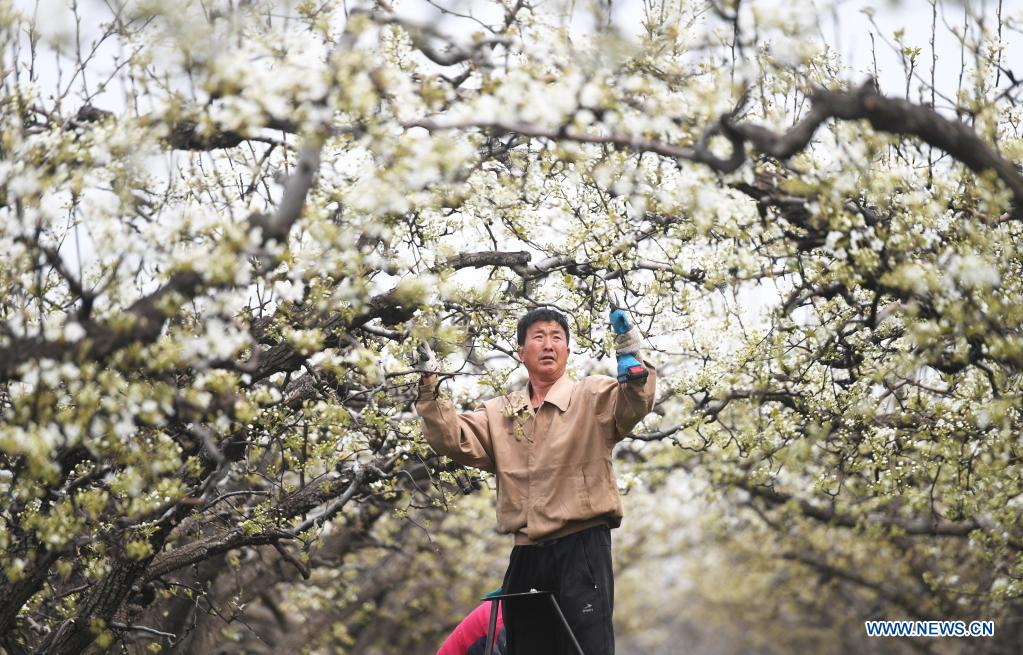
(470, 636)
(549, 447)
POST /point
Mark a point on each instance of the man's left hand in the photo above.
(628, 341)
(426, 361)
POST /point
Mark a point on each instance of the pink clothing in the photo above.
(471, 630)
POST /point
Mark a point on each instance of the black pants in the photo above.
(577, 568)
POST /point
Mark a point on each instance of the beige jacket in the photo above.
(553, 468)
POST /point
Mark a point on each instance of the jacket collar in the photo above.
(560, 395)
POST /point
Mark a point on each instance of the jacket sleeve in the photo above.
(465, 438)
(628, 402)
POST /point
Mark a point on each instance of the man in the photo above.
(549, 447)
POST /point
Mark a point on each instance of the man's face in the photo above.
(545, 351)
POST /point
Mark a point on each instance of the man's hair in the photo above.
(538, 315)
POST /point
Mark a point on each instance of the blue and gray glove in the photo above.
(628, 341)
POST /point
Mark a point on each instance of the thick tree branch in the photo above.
(389, 307)
(103, 600)
(16, 594)
(186, 133)
(700, 155)
(926, 526)
(885, 114)
(487, 258)
(892, 115)
(306, 500)
(432, 43)
(901, 600)
(143, 320)
(277, 226)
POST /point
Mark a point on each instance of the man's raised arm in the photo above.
(633, 397)
(465, 438)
